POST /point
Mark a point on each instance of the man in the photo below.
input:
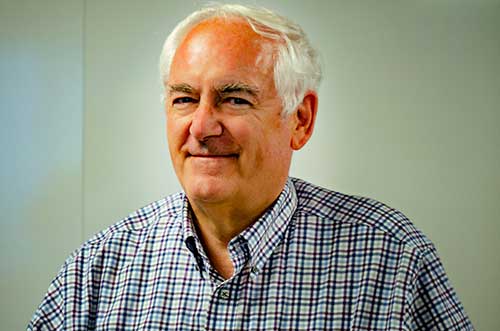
(245, 247)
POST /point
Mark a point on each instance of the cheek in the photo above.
(177, 131)
(278, 143)
(271, 146)
(171, 137)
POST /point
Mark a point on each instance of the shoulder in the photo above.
(155, 219)
(143, 219)
(338, 209)
(99, 263)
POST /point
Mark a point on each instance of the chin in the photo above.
(211, 189)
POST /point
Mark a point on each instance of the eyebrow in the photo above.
(238, 88)
(184, 88)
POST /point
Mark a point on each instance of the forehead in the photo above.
(226, 31)
(227, 46)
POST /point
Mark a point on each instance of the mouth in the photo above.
(213, 156)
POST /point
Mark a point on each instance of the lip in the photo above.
(213, 156)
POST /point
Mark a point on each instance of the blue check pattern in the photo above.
(316, 260)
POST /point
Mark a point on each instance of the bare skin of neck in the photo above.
(218, 224)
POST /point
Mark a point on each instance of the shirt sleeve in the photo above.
(65, 305)
(434, 304)
(49, 315)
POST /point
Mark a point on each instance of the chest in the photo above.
(313, 290)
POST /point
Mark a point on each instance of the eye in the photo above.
(237, 101)
(182, 100)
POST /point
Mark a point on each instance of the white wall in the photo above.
(408, 115)
(41, 149)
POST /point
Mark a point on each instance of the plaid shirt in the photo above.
(316, 260)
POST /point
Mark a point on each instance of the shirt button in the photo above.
(224, 294)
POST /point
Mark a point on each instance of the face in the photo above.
(228, 140)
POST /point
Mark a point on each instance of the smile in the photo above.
(213, 156)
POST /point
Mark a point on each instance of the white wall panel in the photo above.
(41, 149)
(126, 156)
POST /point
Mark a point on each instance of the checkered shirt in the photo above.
(316, 260)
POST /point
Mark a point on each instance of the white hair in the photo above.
(296, 68)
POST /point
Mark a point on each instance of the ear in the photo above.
(303, 120)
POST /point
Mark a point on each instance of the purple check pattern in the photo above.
(316, 260)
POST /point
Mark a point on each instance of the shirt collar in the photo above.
(267, 232)
(189, 236)
(187, 222)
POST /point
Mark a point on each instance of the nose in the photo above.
(205, 123)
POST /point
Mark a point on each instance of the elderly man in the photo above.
(245, 247)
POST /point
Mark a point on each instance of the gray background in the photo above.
(409, 115)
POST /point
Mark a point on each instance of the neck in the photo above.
(222, 222)
(216, 224)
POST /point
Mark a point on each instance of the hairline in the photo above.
(293, 54)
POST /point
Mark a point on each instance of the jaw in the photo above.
(210, 178)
